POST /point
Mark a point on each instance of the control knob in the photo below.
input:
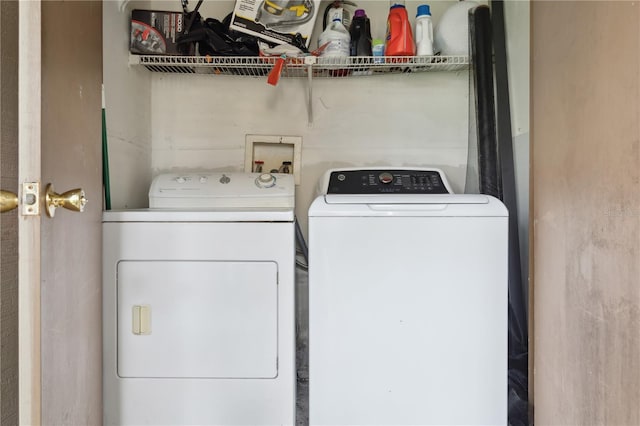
(386, 178)
(265, 180)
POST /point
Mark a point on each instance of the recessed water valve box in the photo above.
(273, 153)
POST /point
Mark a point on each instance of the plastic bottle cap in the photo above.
(397, 6)
(376, 41)
(359, 13)
(423, 9)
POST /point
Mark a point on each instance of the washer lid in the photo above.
(407, 205)
(217, 190)
(400, 199)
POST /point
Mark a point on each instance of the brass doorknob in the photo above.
(8, 201)
(71, 200)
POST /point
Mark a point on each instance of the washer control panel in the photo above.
(387, 181)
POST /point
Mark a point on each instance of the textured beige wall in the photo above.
(585, 90)
(9, 221)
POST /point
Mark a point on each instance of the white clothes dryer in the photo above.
(407, 301)
(198, 303)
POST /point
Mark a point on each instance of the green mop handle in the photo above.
(105, 157)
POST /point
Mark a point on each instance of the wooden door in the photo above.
(9, 220)
(585, 151)
(58, 112)
(71, 242)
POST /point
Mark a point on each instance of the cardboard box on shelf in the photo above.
(276, 21)
(155, 32)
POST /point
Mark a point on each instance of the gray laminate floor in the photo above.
(302, 346)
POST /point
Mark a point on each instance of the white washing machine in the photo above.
(198, 303)
(407, 301)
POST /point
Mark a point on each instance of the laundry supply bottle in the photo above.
(337, 39)
(424, 31)
(377, 46)
(399, 41)
(338, 9)
(360, 32)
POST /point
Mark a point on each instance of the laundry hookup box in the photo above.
(276, 21)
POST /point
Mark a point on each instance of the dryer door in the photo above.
(201, 319)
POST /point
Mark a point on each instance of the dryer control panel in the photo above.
(387, 181)
(218, 190)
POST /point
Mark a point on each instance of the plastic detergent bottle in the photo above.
(399, 40)
(360, 32)
(424, 31)
(338, 39)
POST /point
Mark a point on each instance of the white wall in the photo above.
(127, 96)
(161, 122)
(390, 120)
